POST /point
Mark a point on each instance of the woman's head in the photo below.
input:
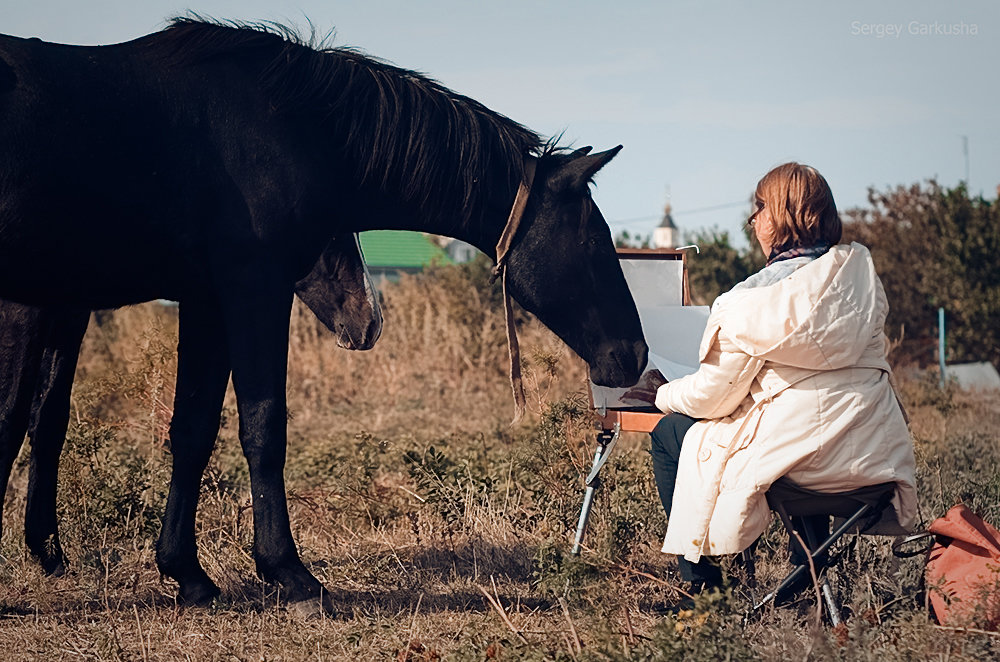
(794, 209)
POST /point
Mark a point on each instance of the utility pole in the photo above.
(941, 348)
(965, 153)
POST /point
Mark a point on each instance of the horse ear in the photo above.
(582, 151)
(576, 174)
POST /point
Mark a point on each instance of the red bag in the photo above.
(963, 570)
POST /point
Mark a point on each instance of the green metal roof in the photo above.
(397, 248)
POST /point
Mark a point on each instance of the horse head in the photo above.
(563, 268)
(340, 292)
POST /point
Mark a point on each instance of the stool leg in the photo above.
(793, 577)
(832, 608)
(817, 552)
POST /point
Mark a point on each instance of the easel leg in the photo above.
(606, 441)
(581, 525)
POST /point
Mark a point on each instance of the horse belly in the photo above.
(91, 242)
(94, 275)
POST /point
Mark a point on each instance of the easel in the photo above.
(613, 422)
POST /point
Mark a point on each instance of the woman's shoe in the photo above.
(685, 603)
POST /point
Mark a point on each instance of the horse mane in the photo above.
(405, 131)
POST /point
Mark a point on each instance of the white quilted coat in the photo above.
(793, 382)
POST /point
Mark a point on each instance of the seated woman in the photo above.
(793, 382)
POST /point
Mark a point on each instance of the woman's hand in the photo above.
(645, 389)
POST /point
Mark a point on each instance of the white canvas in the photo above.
(654, 282)
(673, 334)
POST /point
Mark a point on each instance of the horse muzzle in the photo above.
(365, 340)
(619, 365)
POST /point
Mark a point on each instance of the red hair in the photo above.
(801, 207)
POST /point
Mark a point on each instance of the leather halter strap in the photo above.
(500, 271)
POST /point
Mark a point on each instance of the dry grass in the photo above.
(442, 532)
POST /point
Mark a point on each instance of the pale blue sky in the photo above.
(705, 96)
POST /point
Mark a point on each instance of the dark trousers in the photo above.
(665, 447)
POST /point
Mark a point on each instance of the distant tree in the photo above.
(626, 240)
(936, 247)
(717, 266)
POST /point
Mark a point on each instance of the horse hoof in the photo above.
(50, 556)
(199, 596)
(54, 569)
(311, 609)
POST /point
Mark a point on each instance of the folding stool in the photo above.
(855, 510)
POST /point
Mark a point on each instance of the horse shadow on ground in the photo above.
(436, 578)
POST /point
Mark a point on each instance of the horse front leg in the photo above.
(49, 421)
(257, 324)
(20, 354)
(202, 377)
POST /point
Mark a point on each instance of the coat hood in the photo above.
(822, 317)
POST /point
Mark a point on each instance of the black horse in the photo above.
(210, 164)
(39, 348)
